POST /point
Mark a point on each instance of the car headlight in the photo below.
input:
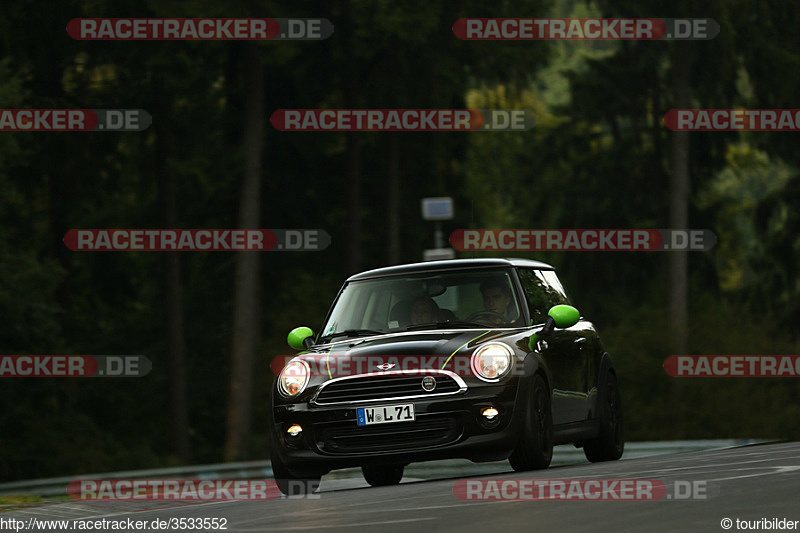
(293, 378)
(492, 361)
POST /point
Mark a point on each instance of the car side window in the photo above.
(543, 290)
(535, 293)
(556, 292)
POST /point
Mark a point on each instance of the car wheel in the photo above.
(610, 442)
(287, 482)
(382, 475)
(535, 448)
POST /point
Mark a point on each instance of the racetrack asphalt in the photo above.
(745, 483)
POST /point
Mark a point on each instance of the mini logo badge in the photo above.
(386, 366)
(428, 383)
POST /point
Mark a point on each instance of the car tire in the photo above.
(382, 475)
(535, 448)
(610, 441)
(288, 483)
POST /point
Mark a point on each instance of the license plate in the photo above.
(385, 414)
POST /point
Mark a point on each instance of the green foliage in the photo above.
(596, 159)
(658, 406)
(735, 194)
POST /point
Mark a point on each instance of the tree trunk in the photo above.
(393, 200)
(353, 203)
(679, 199)
(679, 219)
(246, 282)
(172, 287)
(352, 100)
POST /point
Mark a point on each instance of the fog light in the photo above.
(489, 413)
(294, 430)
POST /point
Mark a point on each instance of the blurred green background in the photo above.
(599, 157)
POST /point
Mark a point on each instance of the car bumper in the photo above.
(444, 428)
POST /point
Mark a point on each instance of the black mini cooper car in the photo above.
(483, 359)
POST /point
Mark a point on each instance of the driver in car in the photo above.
(497, 299)
(424, 310)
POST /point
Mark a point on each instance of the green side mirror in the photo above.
(559, 316)
(565, 316)
(300, 338)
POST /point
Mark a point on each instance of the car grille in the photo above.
(383, 387)
(437, 431)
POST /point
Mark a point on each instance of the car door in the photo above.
(566, 352)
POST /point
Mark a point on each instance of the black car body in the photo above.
(555, 385)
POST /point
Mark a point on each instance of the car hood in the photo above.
(441, 342)
(404, 351)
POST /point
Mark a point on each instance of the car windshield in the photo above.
(424, 301)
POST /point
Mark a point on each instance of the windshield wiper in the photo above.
(445, 324)
(352, 333)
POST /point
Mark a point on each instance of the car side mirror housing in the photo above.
(560, 316)
(300, 338)
(564, 316)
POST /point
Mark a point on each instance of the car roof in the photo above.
(453, 264)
